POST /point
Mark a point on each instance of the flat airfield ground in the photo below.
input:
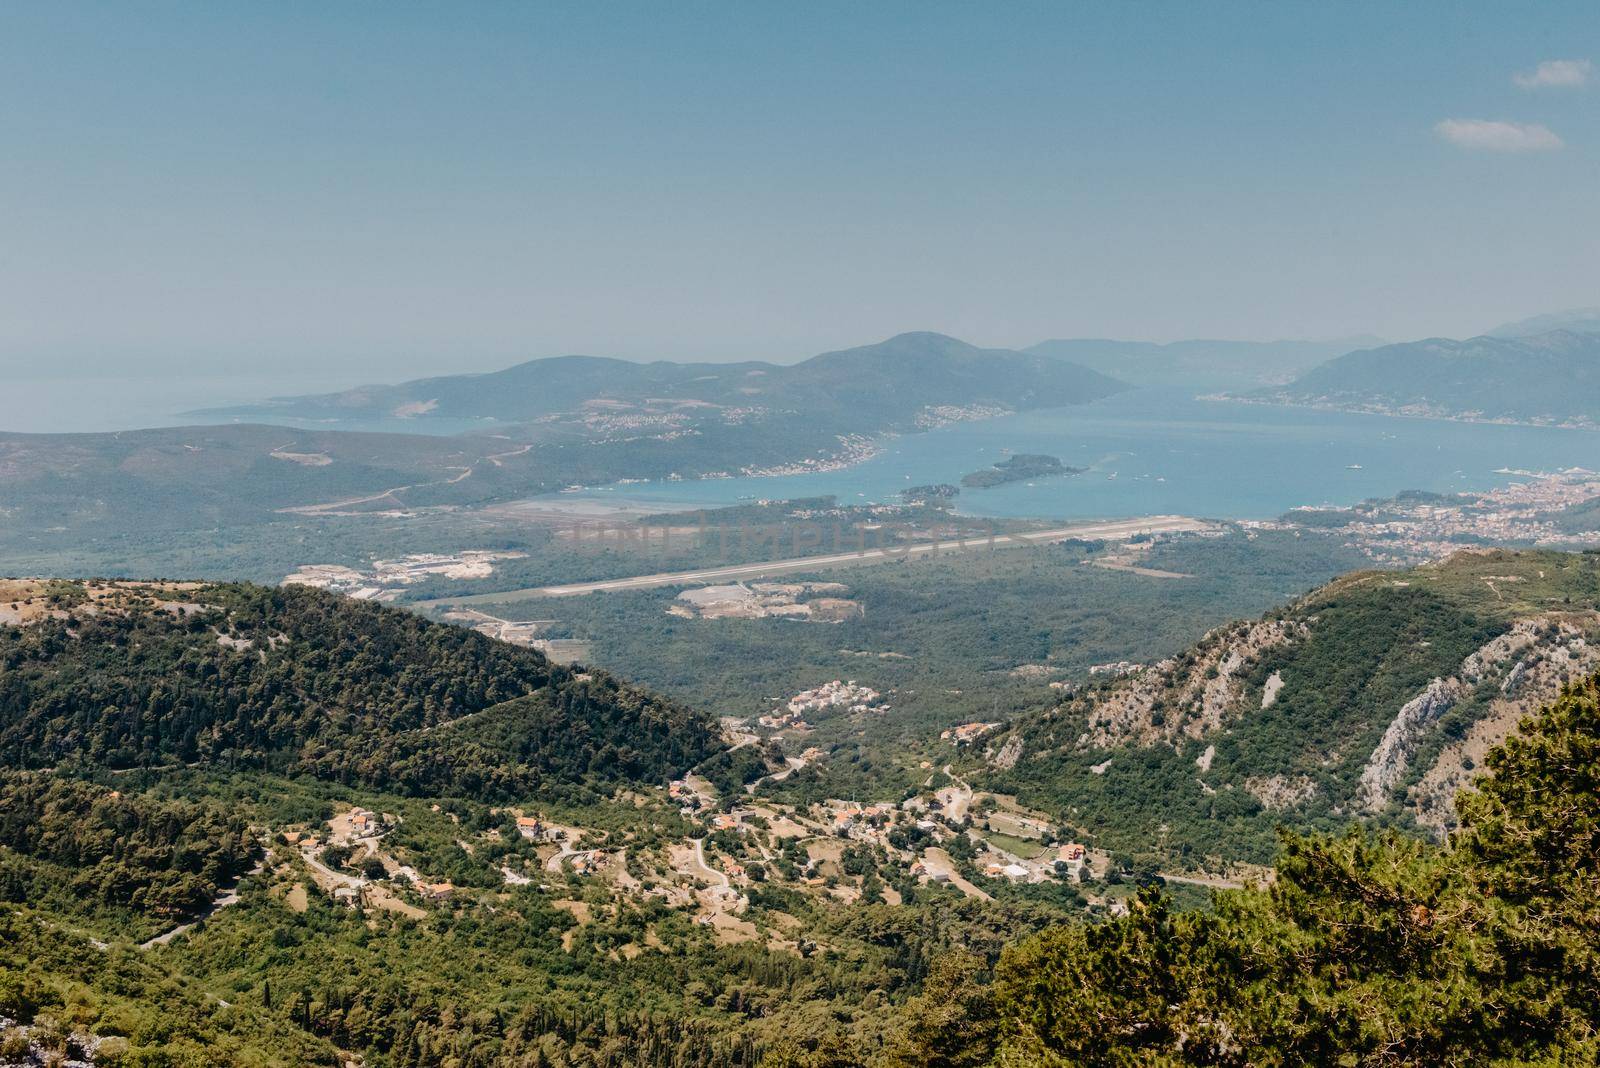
(1117, 528)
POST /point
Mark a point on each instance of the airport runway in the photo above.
(1114, 528)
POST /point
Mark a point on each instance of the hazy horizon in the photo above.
(211, 191)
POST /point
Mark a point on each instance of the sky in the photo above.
(324, 194)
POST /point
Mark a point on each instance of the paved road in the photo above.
(1117, 528)
(717, 878)
(566, 850)
(226, 898)
(334, 877)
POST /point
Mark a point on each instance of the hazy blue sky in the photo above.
(372, 191)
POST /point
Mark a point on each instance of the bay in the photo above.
(1160, 452)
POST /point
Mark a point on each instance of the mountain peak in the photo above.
(1575, 320)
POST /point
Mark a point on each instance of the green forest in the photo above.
(1372, 641)
(1367, 947)
(300, 680)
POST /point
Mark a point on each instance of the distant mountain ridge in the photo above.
(1200, 364)
(1578, 320)
(889, 380)
(1546, 378)
(544, 425)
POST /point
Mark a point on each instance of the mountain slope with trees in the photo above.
(1545, 378)
(1200, 364)
(1370, 948)
(865, 389)
(299, 680)
(1372, 697)
(1366, 950)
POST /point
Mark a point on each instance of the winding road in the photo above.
(223, 900)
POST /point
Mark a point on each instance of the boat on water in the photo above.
(1352, 467)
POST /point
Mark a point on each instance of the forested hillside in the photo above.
(1367, 949)
(478, 440)
(299, 680)
(194, 760)
(1546, 378)
(1374, 697)
(72, 845)
(862, 389)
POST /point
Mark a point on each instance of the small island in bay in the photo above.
(1019, 468)
(940, 491)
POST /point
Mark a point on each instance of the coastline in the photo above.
(1406, 412)
(855, 449)
(1150, 442)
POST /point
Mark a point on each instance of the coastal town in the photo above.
(1541, 509)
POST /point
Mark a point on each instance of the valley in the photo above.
(853, 535)
(538, 747)
(523, 819)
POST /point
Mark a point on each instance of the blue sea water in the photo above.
(1156, 451)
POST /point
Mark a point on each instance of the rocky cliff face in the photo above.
(1492, 665)
(1375, 695)
(1185, 697)
(1199, 696)
(1388, 763)
(1553, 650)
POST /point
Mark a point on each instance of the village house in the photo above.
(364, 823)
(783, 721)
(966, 733)
(437, 891)
(1014, 872)
(588, 863)
(530, 828)
(837, 694)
